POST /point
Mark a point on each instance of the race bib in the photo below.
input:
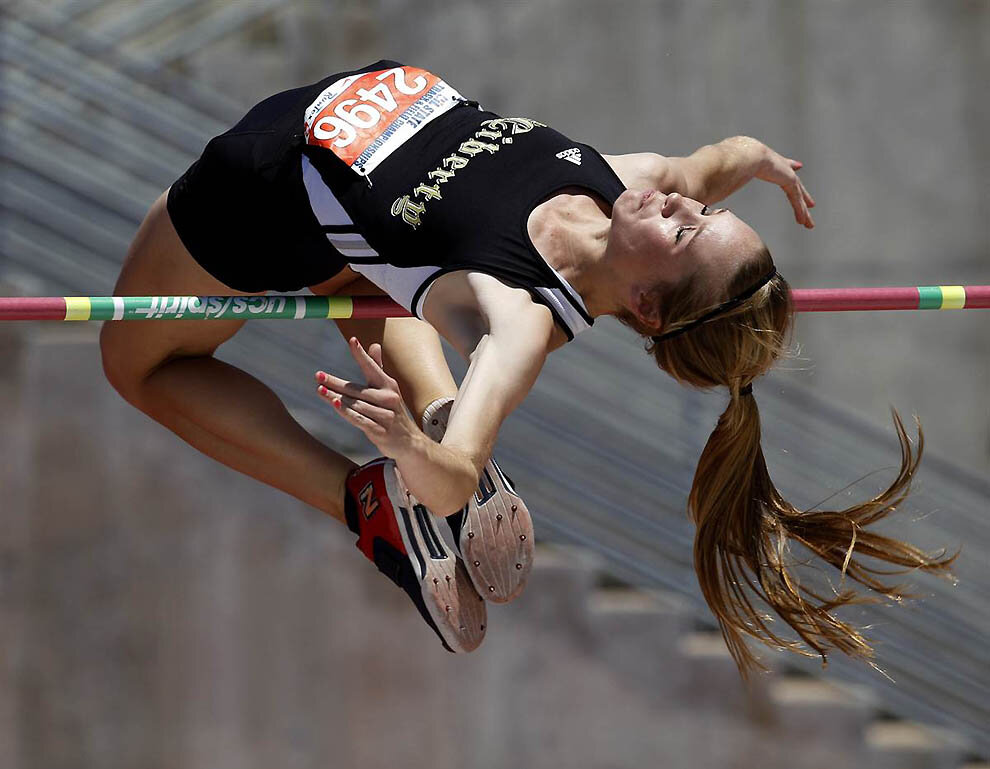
(364, 118)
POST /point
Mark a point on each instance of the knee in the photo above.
(120, 366)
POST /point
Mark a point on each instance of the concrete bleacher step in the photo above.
(647, 639)
(562, 578)
(815, 711)
(636, 633)
(910, 745)
(711, 679)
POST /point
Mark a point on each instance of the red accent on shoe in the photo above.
(375, 515)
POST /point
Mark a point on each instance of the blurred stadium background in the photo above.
(157, 609)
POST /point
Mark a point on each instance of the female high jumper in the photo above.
(506, 238)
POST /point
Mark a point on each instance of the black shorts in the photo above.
(241, 209)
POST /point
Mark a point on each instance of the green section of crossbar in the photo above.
(207, 308)
(929, 297)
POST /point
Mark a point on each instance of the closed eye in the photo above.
(704, 212)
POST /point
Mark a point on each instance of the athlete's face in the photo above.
(658, 240)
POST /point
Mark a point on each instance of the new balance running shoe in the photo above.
(494, 531)
(396, 533)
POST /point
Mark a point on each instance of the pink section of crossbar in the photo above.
(377, 307)
(892, 298)
(32, 308)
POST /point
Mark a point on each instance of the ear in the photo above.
(646, 309)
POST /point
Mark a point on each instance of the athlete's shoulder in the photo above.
(636, 169)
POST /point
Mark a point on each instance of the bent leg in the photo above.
(411, 348)
(167, 370)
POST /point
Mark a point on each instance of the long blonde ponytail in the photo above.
(744, 525)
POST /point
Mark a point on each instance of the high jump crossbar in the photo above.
(293, 307)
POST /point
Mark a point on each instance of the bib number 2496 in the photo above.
(364, 118)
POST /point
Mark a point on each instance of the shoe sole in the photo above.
(447, 590)
(496, 537)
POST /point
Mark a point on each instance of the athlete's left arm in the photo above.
(713, 172)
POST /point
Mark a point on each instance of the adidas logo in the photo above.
(573, 155)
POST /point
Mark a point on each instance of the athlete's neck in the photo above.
(571, 233)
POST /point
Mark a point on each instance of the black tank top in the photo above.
(457, 195)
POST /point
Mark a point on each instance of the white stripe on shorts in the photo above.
(351, 244)
(355, 252)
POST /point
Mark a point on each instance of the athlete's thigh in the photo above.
(158, 264)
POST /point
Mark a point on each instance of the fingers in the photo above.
(368, 426)
(371, 368)
(372, 419)
(796, 195)
(384, 397)
(373, 407)
(348, 407)
(806, 202)
(375, 351)
(797, 165)
(783, 172)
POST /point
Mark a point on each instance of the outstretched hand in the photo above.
(783, 172)
(376, 407)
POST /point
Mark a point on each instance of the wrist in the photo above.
(439, 477)
(410, 443)
(755, 153)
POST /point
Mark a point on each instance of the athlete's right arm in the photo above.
(503, 367)
(713, 172)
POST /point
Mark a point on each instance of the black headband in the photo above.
(722, 308)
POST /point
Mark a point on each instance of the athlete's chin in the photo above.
(640, 200)
(636, 198)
